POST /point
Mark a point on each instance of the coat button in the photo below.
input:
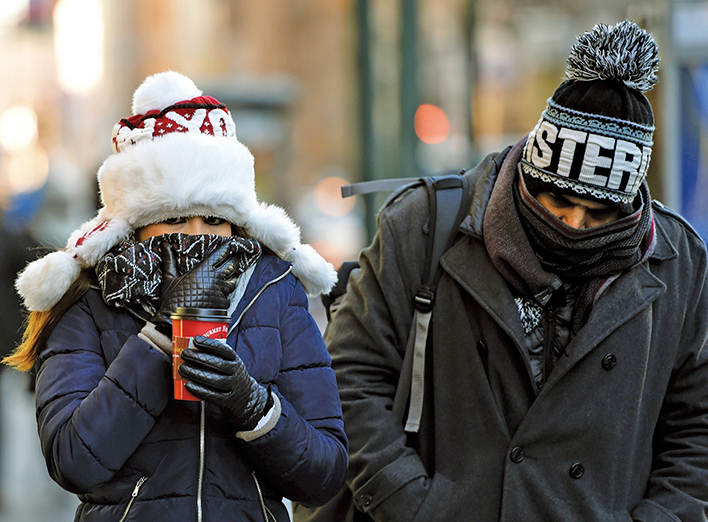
(365, 499)
(576, 470)
(609, 361)
(517, 454)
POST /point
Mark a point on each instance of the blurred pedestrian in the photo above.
(181, 226)
(566, 368)
(18, 248)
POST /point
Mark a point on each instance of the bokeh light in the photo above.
(431, 124)
(78, 44)
(328, 197)
(26, 172)
(329, 251)
(12, 11)
(18, 129)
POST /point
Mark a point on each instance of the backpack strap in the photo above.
(377, 185)
(450, 201)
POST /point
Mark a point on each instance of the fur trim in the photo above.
(179, 175)
(316, 275)
(271, 226)
(162, 90)
(44, 282)
(96, 237)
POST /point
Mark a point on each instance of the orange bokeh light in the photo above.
(431, 124)
(328, 197)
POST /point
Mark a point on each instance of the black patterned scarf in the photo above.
(130, 273)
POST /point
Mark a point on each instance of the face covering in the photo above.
(130, 274)
(590, 258)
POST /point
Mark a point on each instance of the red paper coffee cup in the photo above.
(186, 323)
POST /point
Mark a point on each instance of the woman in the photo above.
(181, 226)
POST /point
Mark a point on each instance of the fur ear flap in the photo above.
(271, 226)
(96, 237)
(316, 275)
(44, 282)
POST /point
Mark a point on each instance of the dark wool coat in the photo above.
(110, 429)
(618, 433)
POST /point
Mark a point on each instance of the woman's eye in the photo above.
(175, 221)
(214, 221)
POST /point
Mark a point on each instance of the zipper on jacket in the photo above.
(136, 490)
(267, 513)
(202, 445)
(255, 297)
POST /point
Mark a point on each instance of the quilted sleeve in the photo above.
(92, 416)
(305, 454)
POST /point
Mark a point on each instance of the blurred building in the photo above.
(284, 68)
(321, 89)
(324, 92)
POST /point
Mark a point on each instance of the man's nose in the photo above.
(574, 216)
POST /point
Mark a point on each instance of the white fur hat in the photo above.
(177, 156)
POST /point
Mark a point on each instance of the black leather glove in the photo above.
(217, 375)
(208, 285)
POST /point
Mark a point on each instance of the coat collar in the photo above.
(665, 248)
(469, 264)
(625, 298)
(267, 269)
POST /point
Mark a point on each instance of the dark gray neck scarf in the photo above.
(130, 273)
(534, 250)
(507, 243)
(591, 258)
(577, 254)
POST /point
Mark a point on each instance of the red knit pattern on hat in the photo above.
(201, 114)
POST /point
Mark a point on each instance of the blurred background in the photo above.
(324, 92)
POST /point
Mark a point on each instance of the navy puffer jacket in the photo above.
(111, 432)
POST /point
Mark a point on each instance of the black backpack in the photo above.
(449, 198)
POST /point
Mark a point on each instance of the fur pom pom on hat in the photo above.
(176, 156)
(595, 137)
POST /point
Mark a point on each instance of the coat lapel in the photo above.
(469, 264)
(625, 298)
(471, 267)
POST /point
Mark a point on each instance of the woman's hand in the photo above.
(216, 374)
(208, 285)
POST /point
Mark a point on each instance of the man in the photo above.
(567, 361)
